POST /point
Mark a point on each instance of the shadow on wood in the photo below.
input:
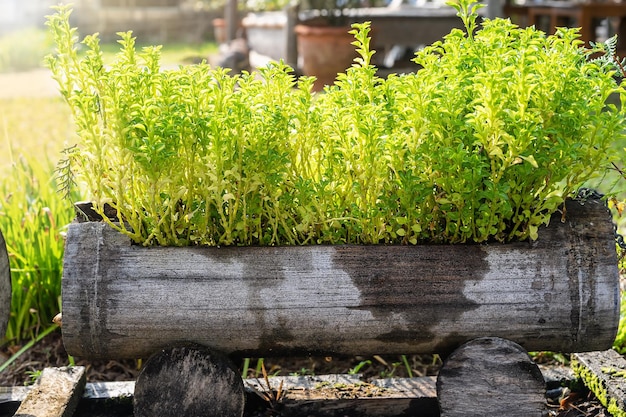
(189, 381)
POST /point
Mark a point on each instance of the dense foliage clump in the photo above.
(498, 127)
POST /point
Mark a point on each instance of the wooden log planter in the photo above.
(559, 293)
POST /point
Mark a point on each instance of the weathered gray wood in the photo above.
(378, 398)
(490, 377)
(56, 393)
(5, 287)
(92, 391)
(558, 293)
(557, 376)
(604, 373)
(188, 381)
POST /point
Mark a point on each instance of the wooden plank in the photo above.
(559, 293)
(56, 393)
(5, 287)
(415, 394)
(332, 395)
(490, 377)
(92, 391)
(188, 381)
(323, 395)
(391, 397)
(108, 390)
(604, 373)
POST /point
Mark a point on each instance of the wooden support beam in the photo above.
(604, 373)
(188, 381)
(491, 377)
(56, 393)
(418, 395)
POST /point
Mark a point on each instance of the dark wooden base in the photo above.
(490, 377)
(320, 395)
(189, 381)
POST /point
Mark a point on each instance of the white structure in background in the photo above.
(16, 14)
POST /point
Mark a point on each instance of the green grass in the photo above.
(33, 216)
(33, 126)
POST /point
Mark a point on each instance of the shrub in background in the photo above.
(24, 49)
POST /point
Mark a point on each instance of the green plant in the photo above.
(33, 217)
(359, 366)
(390, 371)
(172, 53)
(485, 142)
(407, 367)
(272, 397)
(523, 123)
(303, 372)
(620, 340)
(33, 377)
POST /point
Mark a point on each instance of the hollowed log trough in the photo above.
(559, 293)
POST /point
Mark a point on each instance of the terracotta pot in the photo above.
(219, 30)
(324, 51)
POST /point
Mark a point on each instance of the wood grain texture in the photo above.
(188, 381)
(56, 393)
(490, 377)
(559, 293)
(377, 398)
(5, 287)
